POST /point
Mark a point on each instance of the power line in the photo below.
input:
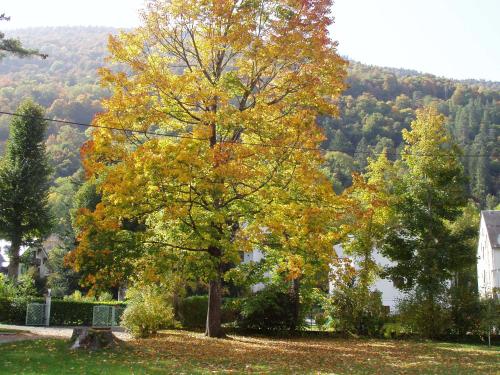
(146, 132)
(160, 134)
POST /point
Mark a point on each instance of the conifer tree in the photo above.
(24, 183)
(14, 46)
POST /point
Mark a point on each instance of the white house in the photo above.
(41, 255)
(390, 294)
(488, 253)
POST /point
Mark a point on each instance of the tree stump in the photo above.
(93, 338)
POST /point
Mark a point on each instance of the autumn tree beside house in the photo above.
(430, 194)
(234, 87)
(24, 183)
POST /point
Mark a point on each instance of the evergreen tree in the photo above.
(361, 154)
(14, 46)
(24, 183)
(479, 183)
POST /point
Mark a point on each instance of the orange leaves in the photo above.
(238, 86)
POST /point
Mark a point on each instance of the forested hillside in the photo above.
(378, 104)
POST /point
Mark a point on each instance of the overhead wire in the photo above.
(170, 135)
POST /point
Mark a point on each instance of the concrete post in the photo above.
(48, 300)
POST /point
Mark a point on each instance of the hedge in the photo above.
(62, 313)
(192, 311)
(12, 311)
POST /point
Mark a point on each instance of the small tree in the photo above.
(352, 306)
(24, 183)
(490, 315)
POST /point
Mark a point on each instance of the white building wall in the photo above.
(256, 256)
(488, 263)
(390, 294)
(41, 255)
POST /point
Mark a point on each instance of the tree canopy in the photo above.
(232, 90)
(24, 183)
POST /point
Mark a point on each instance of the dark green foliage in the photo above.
(271, 309)
(62, 313)
(13, 311)
(69, 313)
(356, 310)
(426, 250)
(426, 317)
(192, 311)
(24, 183)
(463, 293)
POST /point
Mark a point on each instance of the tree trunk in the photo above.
(214, 313)
(14, 259)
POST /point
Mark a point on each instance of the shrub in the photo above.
(75, 313)
(105, 297)
(77, 296)
(355, 309)
(268, 310)
(426, 317)
(192, 311)
(7, 289)
(14, 297)
(490, 315)
(12, 311)
(149, 309)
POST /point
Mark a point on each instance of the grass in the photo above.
(179, 352)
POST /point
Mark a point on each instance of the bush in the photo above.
(12, 311)
(105, 297)
(77, 296)
(7, 289)
(425, 317)
(149, 309)
(355, 309)
(192, 311)
(268, 310)
(73, 313)
(14, 297)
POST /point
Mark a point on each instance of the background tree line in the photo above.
(378, 104)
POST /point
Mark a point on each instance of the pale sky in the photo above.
(451, 38)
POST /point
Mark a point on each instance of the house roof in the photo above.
(492, 221)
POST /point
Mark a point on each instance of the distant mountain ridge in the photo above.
(378, 104)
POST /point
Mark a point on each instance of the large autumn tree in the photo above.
(226, 94)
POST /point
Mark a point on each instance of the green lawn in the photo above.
(177, 352)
